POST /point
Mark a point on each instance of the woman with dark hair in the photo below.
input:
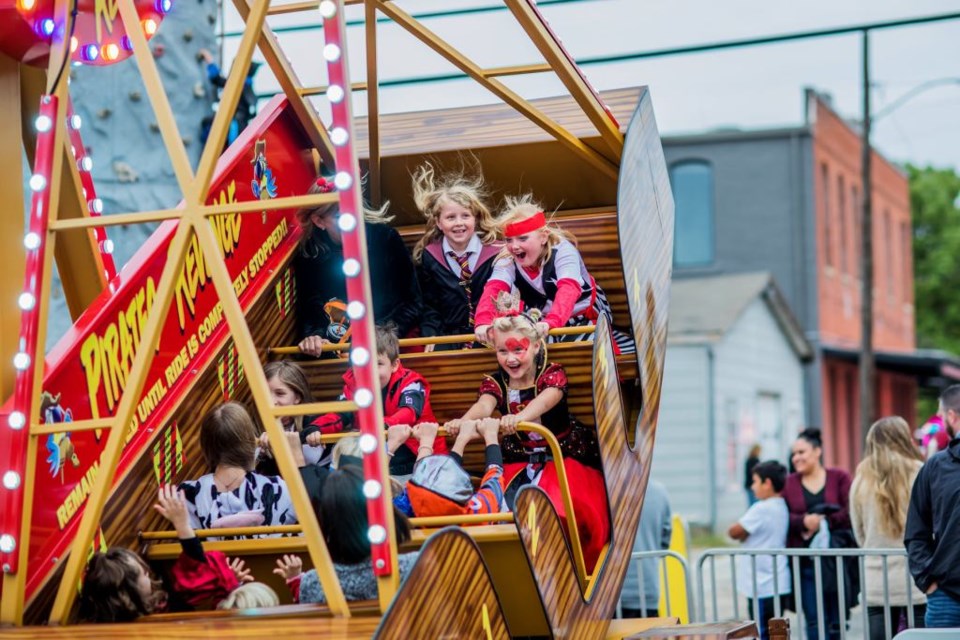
(816, 495)
(118, 587)
(321, 283)
(879, 499)
(343, 517)
(753, 459)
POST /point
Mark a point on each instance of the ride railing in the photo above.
(792, 582)
(663, 557)
(423, 522)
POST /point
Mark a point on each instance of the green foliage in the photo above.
(935, 206)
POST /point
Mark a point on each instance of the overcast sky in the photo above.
(748, 88)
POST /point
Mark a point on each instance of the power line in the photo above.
(426, 15)
(685, 50)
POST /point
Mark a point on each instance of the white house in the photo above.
(733, 378)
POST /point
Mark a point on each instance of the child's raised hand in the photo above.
(289, 567)
(489, 430)
(240, 570)
(482, 334)
(397, 435)
(172, 505)
(509, 424)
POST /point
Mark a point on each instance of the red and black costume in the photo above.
(527, 459)
(452, 290)
(200, 579)
(406, 400)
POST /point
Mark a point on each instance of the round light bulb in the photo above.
(31, 241)
(43, 123)
(48, 26)
(7, 543)
(38, 182)
(16, 420)
(331, 52)
(11, 480)
(358, 356)
(342, 180)
(21, 361)
(75, 122)
(96, 206)
(347, 222)
(377, 534)
(368, 443)
(328, 9)
(149, 27)
(26, 301)
(86, 163)
(107, 246)
(335, 93)
(363, 398)
(372, 489)
(351, 267)
(111, 51)
(339, 136)
(74, 43)
(356, 310)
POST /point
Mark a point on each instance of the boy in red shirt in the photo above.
(406, 400)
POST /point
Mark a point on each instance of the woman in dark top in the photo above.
(321, 283)
(814, 493)
(753, 459)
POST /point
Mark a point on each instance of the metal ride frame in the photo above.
(194, 218)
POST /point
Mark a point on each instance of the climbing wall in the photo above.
(131, 169)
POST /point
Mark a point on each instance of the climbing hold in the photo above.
(188, 35)
(159, 50)
(135, 96)
(104, 113)
(154, 127)
(187, 140)
(212, 19)
(198, 90)
(124, 172)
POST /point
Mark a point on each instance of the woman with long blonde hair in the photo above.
(879, 498)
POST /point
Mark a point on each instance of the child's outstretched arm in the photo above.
(484, 407)
(545, 400)
(490, 497)
(172, 505)
(468, 431)
(290, 568)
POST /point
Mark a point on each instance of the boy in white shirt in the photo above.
(764, 526)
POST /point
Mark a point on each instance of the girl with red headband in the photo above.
(455, 255)
(542, 262)
(322, 286)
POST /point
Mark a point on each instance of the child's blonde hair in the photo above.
(349, 446)
(429, 193)
(305, 215)
(252, 595)
(519, 208)
(512, 320)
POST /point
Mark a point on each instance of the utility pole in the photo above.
(866, 256)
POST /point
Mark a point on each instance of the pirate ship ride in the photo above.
(94, 426)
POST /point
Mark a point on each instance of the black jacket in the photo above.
(319, 269)
(932, 533)
(446, 311)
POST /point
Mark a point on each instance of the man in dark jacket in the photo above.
(932, 534)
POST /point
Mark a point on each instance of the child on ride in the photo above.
(455, 255)
(406, 401)
(118, 586)
(542, 262)
(288, 387)
(526, 388)
(322, 286)
(440, 486)
(232, 494)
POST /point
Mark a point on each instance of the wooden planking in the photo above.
(450, 571)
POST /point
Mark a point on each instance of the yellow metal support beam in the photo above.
(499, 89)
(373, 106)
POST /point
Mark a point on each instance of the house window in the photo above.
(827, 219)
(842, 212)
(692, 184)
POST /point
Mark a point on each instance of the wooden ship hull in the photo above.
(521, 575)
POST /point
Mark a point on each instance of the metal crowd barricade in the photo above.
(819, 556)
(636, 566)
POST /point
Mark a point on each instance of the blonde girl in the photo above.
(320, 278)
(879, 497)
(528, 388)
(542, 262)
(454, 257)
